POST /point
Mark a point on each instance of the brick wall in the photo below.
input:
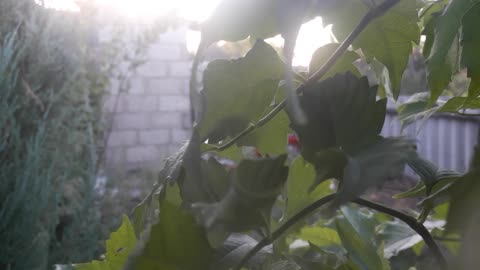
(151, 121)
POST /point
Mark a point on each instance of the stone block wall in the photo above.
(151, 120)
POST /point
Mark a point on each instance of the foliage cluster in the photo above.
(54, 72)
(274, 212)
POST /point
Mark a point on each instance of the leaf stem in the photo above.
(284, 227)
(366, 20)
(412, 223)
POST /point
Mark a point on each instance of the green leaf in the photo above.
(236, 20)
(175, 242)
(397, 237)
(233, 152)
(320, 236)
(343, 64)
(387, 39)
(470, 44)
(301, 177)
(458, 103)
(328, 164)
(463, 215)
(426, 169)
(445, 30)
(234, 249)
(341, 112)
(415, 108)
(380, 162)
(254, 186)
(441, 179)
(417, 190)
(464, 200)
(119, 246)
(362, 253)
(363, 223)
(195, 183)
(230, 86)
(144, 214)
(271, 138)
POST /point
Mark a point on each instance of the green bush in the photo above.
(54, 72)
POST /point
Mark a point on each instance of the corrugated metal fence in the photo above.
(445, 139)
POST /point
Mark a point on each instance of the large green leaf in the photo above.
(236, 20)
(363, 254)
(175, 242)
(119, 246)
(445, 29)
(344, 118)
(470, 52)
(343, 64)
(300, 179)
(341, 112)
(231, 86)
(388, 38)
(254, 186)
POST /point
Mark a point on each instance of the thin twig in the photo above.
(369, 17)
(284, 227)
(412, 223)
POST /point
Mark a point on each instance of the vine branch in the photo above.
(366, 20)
(283, 228)
(412, 223)
(409, 220)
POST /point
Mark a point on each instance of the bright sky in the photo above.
(312, 34)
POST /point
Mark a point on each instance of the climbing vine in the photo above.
(278, 209)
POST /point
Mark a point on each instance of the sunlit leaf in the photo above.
(230, 86)
(175, 242)
(301, 177)
(236, 20)
(119, 246)
(271, 138)
(387, 39)
(320, 236)
(343, 64)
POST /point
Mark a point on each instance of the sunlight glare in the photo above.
(312, 34)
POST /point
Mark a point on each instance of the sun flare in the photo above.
(312, 35)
